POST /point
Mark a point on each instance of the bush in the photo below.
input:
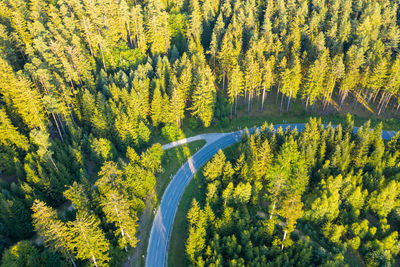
(193, 123)
(225, 122)
(171, 132)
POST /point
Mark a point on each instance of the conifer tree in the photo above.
(9, 133)
(158, 32)
(55, 233)
(88, 239)
(41, 139)
(204, 96)
(77, 194)
(118, 210)
(157, 106)
(18, 93)
(235, 87)
(137, 36)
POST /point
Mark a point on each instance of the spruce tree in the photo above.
(55, 233)
(88, 239)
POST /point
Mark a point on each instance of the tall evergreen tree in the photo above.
(88, 240)
(55, 233)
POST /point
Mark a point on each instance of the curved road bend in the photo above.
(157, 250)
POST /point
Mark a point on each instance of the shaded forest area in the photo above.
(86, 86)
(322, 197)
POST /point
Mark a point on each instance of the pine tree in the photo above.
(18, 93)
(383, 200)
(177, 102)
(88, 240)
(9, 133)
(118, 210)
(336, 71)
(290, 81)
(204, 96)
(138, 35)
(392, 87)
(157, 107)
(316, 79)
(291, 210)
(354, 60)
(235, 87)
(109, 176)
(195, 25)
(263, 159)
(41, 139)
(55, 233)
(267, 79)
(158, 33)
(77, 194)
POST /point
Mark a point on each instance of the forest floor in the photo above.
(172, 160)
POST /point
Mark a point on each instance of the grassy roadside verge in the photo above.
(297, 114)
(392, 124)
(176, 251)
(172, 160)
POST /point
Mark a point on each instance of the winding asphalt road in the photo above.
(157, 250)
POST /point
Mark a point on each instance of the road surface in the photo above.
(157, 250)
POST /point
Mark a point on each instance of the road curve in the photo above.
(157, 250)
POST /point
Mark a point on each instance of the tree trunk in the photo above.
(245, 93)
(102, 56)
(263, 98)
(214, 55)
(61, 123)
(344, 95)
(376, 94)
(288, 102)
(72, 260)
(58, 127)
(129, 34)
(387, 101)
(369, 99)
(88, 40)
(383, 97)
(248, 104)
(272, 212)
(52, 161)
(283, 239)
(308, 97)
(94, 261)
(223, 81)
(277, 94)
(280, 109)
(236, 105)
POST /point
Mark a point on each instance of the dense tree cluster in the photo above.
(319, 197)
(86, 82)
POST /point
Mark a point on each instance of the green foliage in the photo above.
(88, 239)
(171, 132)
(92, 79)
(25, 253)
(102, 149)
(318, 207)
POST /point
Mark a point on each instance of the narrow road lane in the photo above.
(157, 250)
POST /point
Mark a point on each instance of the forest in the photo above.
(88, 88)
(322, 197)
